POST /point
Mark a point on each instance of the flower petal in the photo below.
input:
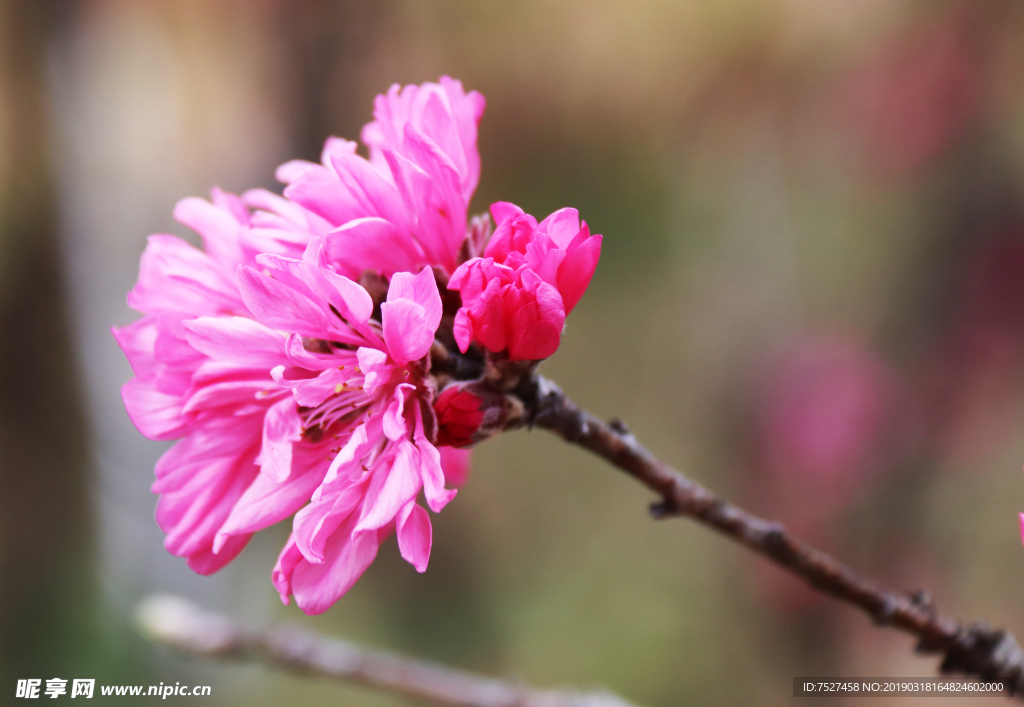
(282, 427)
(402, 482)
(414, 535)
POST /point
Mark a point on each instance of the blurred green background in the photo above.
(811, 299)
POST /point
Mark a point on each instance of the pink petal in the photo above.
(414, 535)
(462, 328)
(317, 587)
(281, 576)
(269, 202)
(394, 423)
(455, 463)
(501, 210)
(544, 258)
(349, 298)
(491, 317)
(227, 393)
(376, 370)
(221, 438)
(174, 276)
(438, 125)
(219, 228)
(369, 192)
(407, 332)
(537, 325)
(192, 514)
(299, 356)
(267, 501)
(240, 340)
(344, 468)
(315, 524)
(577, 268)
(433, 200)
(137, 341)
(282, 427)
(561, 226)
(511, 236)
(281, 307)
(373, 243)
(439, 204)
(326, 198)
(172, 348)
(314, 391)
(402, 483)
(156, 415)
(208, 561)
(421, 289)
(336, 147)
(294, 169)
(433, 476)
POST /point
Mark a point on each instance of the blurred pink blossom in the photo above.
(972, 377)
(824, 428)
(825, 413)
(917, 94)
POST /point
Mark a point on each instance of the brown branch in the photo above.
(178, 623)
(973, 650)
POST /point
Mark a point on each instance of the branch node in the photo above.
(923, 600)
(775, 534)
(619, 426)
(662, 509)
(883, 617)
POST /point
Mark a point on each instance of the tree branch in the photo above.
(178, 623)
(973, 650)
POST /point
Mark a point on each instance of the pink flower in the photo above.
(285, 391)
(532, 275)
(291, 356)
(361, 398)
(461, 412)
(443, 112)
(179, 391)
(205, 357)
(470, 411)
(406, 206)
(221, 407)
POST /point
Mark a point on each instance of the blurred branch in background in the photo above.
(974, 650)
(182, 625)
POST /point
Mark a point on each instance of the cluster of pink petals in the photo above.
(531, 275)
(406, 206)
(263, 355)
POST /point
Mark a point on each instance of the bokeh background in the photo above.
(811, 299)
